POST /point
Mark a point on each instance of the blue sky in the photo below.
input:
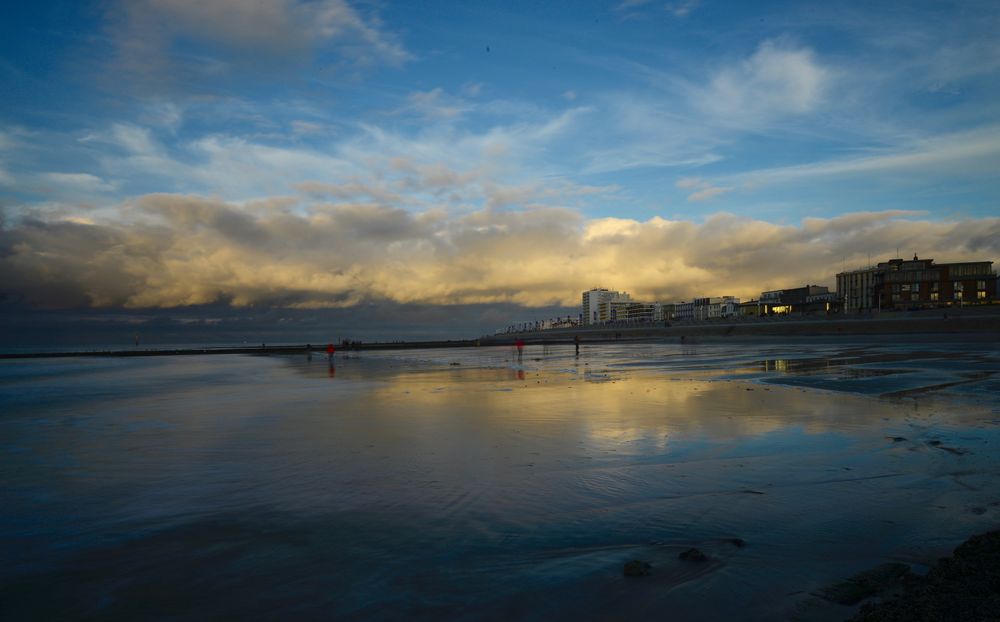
(162, 153)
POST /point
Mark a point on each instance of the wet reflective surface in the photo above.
(469, 484)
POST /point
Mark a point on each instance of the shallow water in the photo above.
(468, 484)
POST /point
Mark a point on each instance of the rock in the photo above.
(693, 555)
(637, 568)
(965, 586)
(864, 584)
(737, 542)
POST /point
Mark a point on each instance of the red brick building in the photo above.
(917, 284)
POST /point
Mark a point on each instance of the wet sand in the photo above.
(469, 484)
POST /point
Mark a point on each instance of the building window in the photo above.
(906, 287)
(916, 287)
(980, 284)
(958, 295)
(895, 288)
(934, 286)
(958, 286)
(895, 297)
(934, 295)
(981, 295)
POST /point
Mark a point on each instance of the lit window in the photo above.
(958, 295)
(934, 295)
(958, 286)
(981, 295)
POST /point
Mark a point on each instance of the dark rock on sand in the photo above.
(958, 451)
(965, 586)
(693, 555)
(866, 584)
(637, 568)
(737, 542)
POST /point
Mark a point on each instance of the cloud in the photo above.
(177, 250)
(624, 5)
(703, 190)
(682, 9)
(776, 81)
(163, 42)
(677, 9)
(77, 183)
(956, 154)
(707, 193)
(436, 104)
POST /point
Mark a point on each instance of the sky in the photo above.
(446, 159)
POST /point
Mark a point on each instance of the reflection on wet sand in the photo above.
(470, 485)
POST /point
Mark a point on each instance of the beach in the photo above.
(478, 484)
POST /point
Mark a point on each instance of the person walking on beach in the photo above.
(330, 351)
(576, 342)
(520, 348)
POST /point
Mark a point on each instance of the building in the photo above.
(597, 307)
(809, 299)
(683, 311)
(729, 308)
(666, 312)
(917, 284)
(602, 305)
(711, 308)
(750, 308)
(640, 312)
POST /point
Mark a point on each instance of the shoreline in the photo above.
(981, 322)
(981, 325)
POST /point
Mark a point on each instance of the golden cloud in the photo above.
(175, 250)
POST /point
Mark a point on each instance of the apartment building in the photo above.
(916, 284)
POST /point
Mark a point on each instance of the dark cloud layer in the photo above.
(167, 251)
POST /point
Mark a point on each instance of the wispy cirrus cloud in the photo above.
(956, 154)
(703, 190)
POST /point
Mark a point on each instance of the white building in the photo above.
(729, 308)
(601, 305)
(684, 311)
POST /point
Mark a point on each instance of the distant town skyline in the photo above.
(298, 155)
